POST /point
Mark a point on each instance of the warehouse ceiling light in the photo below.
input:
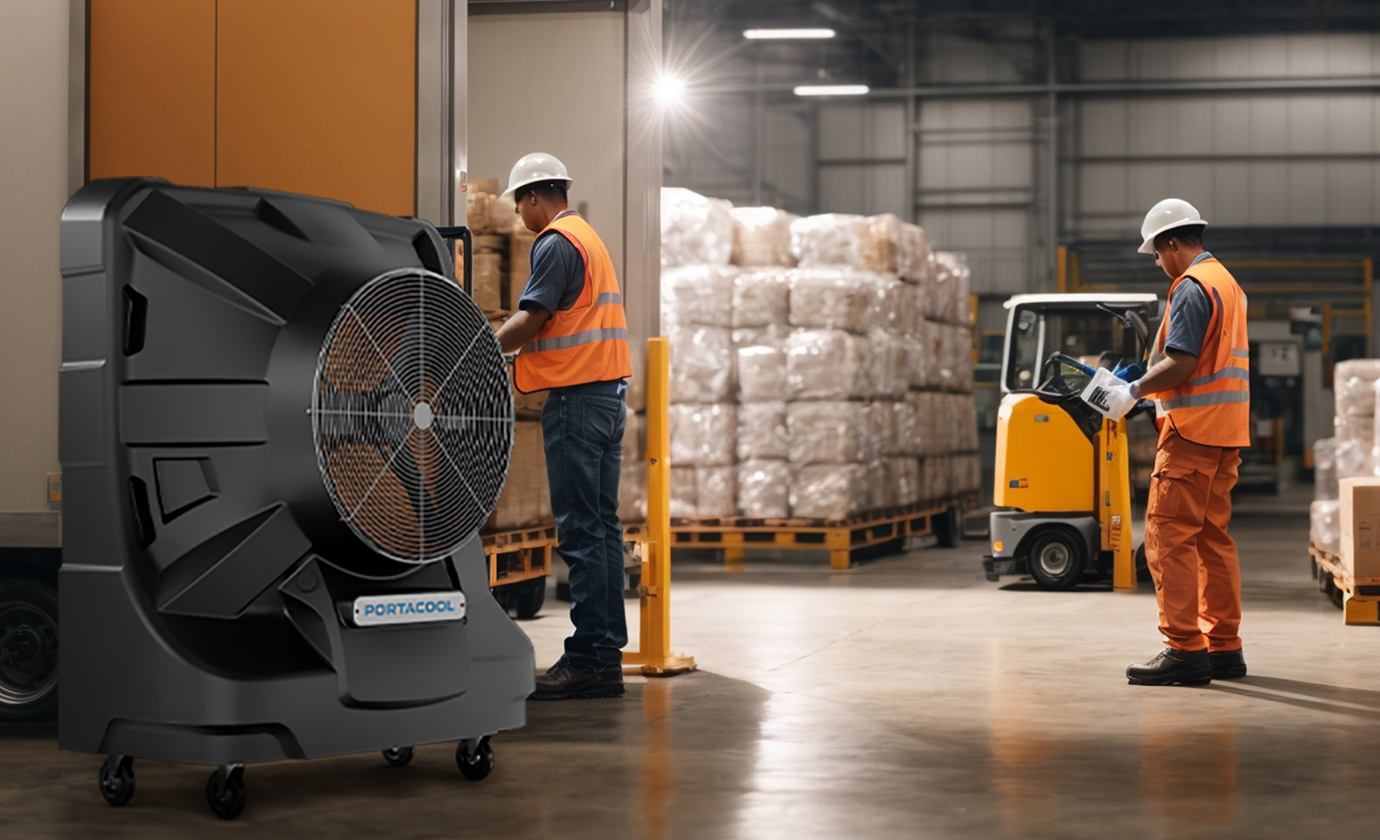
(669, 91)
(787, 34)
(831, 90)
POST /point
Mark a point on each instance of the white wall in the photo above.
(553, 83)
(33, 190)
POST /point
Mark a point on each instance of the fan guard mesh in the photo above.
(412, 415)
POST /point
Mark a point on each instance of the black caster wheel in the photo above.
(225, 791)
(399, 756)
(117, 780)
(475, 762)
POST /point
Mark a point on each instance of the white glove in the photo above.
(1109, 395)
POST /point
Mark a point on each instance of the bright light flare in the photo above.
(669, 91)
(831, 90)
(786, 34)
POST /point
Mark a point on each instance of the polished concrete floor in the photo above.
(907, 698)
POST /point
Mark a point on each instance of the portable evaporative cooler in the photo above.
(281, 428)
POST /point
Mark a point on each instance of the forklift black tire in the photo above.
(28, 650)
(1056, 559)
(948, 527)
(1143, 566)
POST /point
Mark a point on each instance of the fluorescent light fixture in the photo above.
(786, 34)
(831, 90)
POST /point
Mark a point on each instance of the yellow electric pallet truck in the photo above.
(1062, 477)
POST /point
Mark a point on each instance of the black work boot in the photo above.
(1173, 667)
(1227, 664)
(561, 682)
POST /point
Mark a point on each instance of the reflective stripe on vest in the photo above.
(1212, 406)
(589, 341)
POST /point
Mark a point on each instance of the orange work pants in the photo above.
(1191, 557)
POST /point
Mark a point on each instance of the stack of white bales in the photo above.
(1354, 383)
(814, 390)
(1324, 513)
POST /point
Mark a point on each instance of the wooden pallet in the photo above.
(1358, 598)
(841, 538)
(517, 556)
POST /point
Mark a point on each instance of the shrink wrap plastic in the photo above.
(880, 248)
(701, 295)
(888, 374)
(762, 374)
(762, 431)
(832, 432)
(1325, 487)
(913, 260)
(764, 488)
(1353, 382)
(1355, 437)
(682, 492)
(833, 299)
(902, 481)
(827, 364)
(828, 239)
(1324, 526)
(762, 236)
(772, 336)
(829, 491)
(888, 303)
(716, 491)
(702, 363)
(632, 475)
(704, 435)
(695, 230)
(913, 350)
(526, 497)
(951, 283)
(761, 298)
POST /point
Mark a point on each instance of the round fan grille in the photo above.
(412, 415)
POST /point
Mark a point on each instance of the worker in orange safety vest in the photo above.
(571, 338)
(1199, 377)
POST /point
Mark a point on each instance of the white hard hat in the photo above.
(534, 169)
(1167, 215)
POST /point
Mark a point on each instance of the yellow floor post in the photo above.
(655, 658)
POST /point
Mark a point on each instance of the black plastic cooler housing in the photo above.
(206, 571)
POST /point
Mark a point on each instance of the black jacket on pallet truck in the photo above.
(282, 424)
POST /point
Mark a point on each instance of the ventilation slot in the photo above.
(142, 513)
(136, 316)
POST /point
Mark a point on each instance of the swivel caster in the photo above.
(117, 780)
(475, 758)
(225, 791)
(399, 756)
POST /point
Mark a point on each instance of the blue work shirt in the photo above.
(558, 278)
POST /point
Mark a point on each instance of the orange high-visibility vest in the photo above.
(589, 341)
(1212, 406)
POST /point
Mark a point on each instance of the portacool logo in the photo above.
(409, 608)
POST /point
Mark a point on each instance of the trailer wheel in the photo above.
(28, 650)
(1056, 559)
(528, 597)
(948, 527)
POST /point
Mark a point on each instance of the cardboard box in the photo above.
(526, 499)
(1360, 527)
(487, 278)
(519, 266)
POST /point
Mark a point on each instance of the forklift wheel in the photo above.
(1056, 559)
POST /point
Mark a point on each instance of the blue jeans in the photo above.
(583, 435)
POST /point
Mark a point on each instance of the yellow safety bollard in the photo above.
(655, 659)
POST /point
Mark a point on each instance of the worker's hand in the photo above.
(1109, 395)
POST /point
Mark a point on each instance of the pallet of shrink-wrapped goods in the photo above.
(764, 488)
(761, 298)
(827, 364)
(695, 229)
(526, 499)
(762, 236)
(1354, 390)
(700, 295)
(830, 492)
(703, 363)
(704, 434)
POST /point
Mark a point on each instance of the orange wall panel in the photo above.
(319, 97)
(152, 90)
